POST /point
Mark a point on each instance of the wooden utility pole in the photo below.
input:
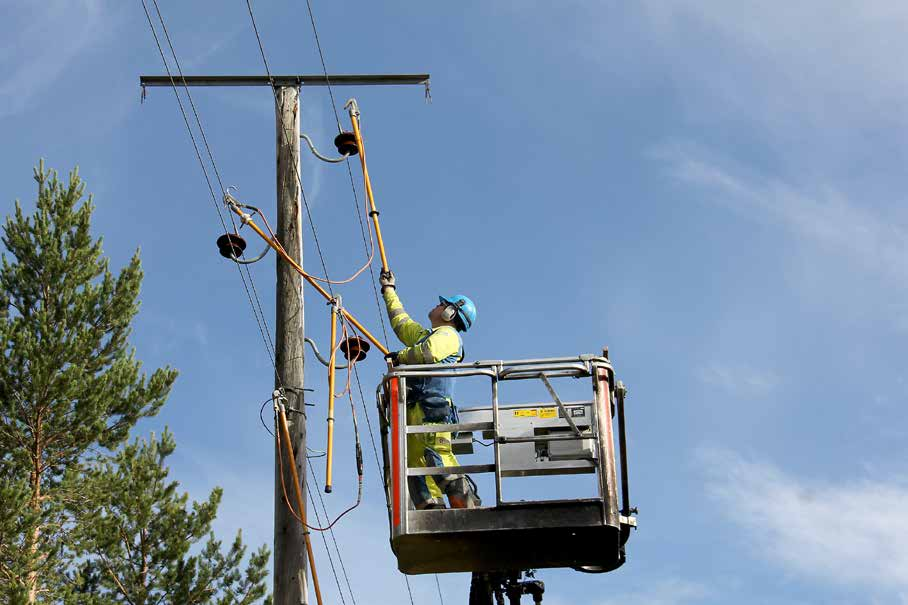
(289, 535)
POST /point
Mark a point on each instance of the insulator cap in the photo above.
(346, 143)
(355, 348)
(231, 245)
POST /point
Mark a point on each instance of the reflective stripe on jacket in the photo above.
(438, 345)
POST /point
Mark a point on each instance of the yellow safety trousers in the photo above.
(417, 443)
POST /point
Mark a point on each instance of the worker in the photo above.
(430, 399)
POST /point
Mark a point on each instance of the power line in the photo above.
(318, 518)
(372, 280)
(318, 45)
(340, 557)
(409, 590)
(359, 216)
(438, 586)
(287, 141)
(287, 137)
(325, 268)
(330, 290)
(253, 297)
(256, 306)
(258, 303)
(321, 56)
(368, 422)
(261, 46)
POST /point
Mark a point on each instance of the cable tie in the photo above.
(336, 303)
(374, 213)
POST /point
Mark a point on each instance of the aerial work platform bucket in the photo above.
(529, 439)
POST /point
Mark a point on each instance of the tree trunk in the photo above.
(31, 580)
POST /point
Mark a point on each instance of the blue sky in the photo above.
(713, 189)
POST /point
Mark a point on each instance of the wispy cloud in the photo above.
(312, 120)
(738, 379)
(805, 65)
(847, 532)
(213, 46)
(35, 55)
(820, 216)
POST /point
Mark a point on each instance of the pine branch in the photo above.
(116, 580)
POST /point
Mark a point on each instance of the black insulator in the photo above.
(231, 245)
(354, 348)
(346, 143)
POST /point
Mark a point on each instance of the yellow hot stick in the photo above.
(277, 248)
(282, 420)
(329, 458)
(373, 212)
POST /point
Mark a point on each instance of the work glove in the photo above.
(392, 357)
(386, 279)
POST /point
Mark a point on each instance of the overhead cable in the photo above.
(369, 254)
(253, 298)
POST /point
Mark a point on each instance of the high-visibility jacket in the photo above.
(436, 345)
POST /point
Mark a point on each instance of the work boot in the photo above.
(462, 493)
(431, 504)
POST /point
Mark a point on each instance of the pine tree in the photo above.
(135, 535)
(69, 381)
(16, 519)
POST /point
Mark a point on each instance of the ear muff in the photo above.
(450, 311)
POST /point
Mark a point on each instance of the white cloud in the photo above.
(847, 532)
(738, 379)
(822, 217)
(802, 63)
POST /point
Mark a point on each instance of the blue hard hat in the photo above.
(466, 310)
